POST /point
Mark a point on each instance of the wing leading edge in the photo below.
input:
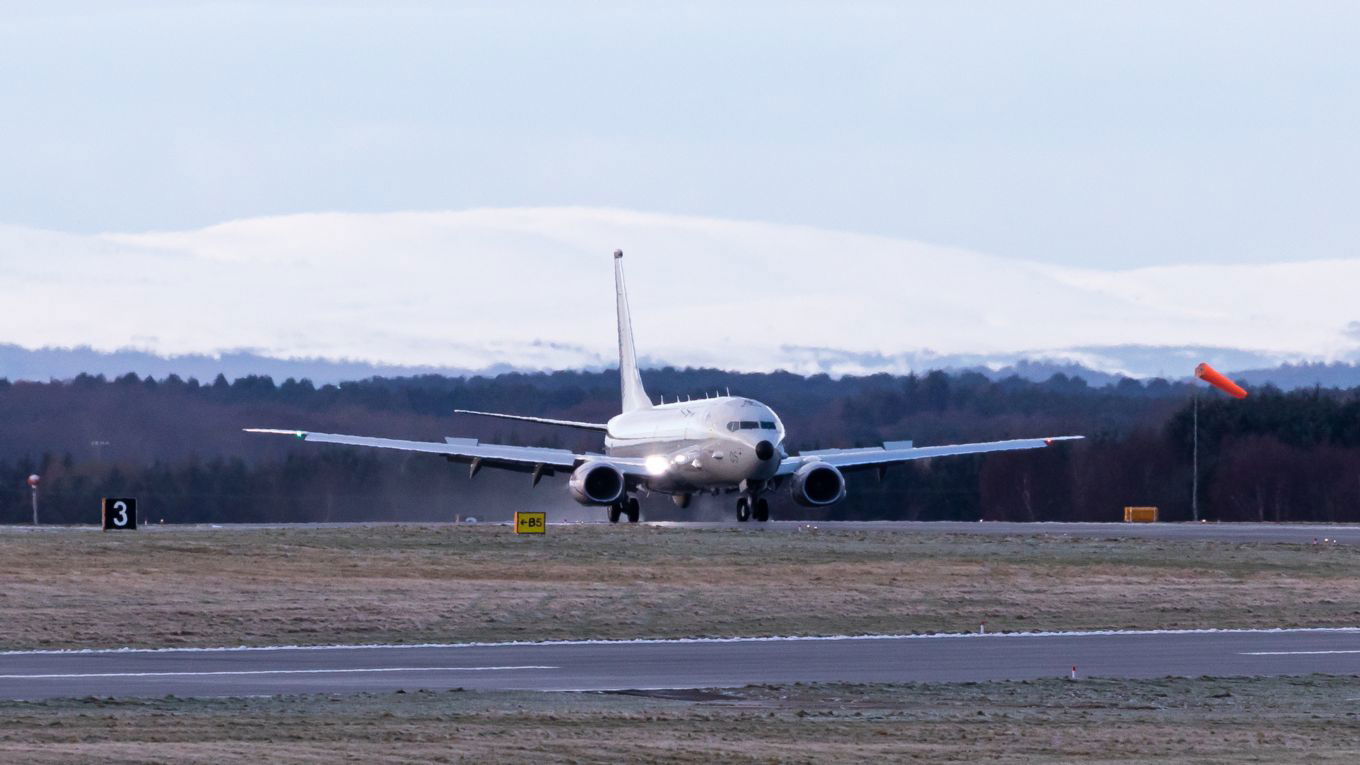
(537, 460)
(898, 451)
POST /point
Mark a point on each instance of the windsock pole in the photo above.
(1194, 480)
(1216, 379)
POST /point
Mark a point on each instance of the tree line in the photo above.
(177, 445)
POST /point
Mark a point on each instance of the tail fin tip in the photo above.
(634, 396)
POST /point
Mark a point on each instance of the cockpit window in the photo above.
(750, 425)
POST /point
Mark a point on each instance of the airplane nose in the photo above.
(764, 451)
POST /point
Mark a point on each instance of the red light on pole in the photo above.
(33, 489)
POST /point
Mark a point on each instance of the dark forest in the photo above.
(177, 445)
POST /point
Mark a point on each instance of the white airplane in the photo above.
(719, 445)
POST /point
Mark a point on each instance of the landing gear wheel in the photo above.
(743, 510)
(634, 510)
(614, 512)
(762, 510)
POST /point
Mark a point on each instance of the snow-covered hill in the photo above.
(531, 288)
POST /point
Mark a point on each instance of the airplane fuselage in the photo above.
(703, 445)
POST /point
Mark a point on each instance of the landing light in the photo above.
(656, 464)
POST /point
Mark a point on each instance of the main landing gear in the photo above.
(628, 506)
(753, 507)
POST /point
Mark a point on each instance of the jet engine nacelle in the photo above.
(817, 484)
(596, 483)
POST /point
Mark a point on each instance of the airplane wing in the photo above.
(892, 452)
(528, 459)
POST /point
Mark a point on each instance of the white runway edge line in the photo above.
(77, 675)
(665, 641)
(1290, 653)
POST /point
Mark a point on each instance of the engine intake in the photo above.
(596, 483)
(817, 484)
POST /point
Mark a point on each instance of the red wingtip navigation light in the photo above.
(1212, 376)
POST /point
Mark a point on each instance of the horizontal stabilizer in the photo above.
(539, 420)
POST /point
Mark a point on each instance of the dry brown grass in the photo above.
(445, 583)
(1275, 720)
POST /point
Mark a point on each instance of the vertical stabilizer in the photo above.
(634, 397)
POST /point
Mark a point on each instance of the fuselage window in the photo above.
(750, 425)
(767, 425)
(733, 425)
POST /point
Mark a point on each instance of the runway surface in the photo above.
(1348, 534)
(1221, 532)
(674, 664)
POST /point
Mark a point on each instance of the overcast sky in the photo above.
(1080, 133)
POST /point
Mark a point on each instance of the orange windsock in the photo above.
(1211, 376)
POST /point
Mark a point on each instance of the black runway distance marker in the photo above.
(120, 514)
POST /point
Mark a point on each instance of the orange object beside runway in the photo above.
(1212, 376)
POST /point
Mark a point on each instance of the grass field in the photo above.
(1276, 720)
(463, 583)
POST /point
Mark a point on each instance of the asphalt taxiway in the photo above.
(1279, 533)
(675, 663)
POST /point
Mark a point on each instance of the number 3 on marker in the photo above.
(120, 513)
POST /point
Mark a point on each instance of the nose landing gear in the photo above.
(628, 506)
